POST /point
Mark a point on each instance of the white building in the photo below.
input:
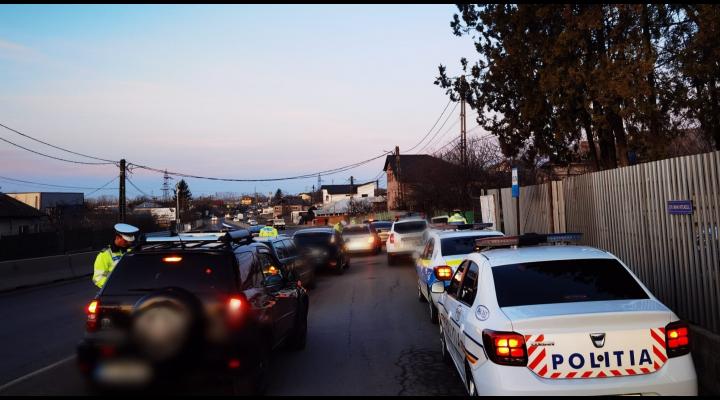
(335, 193)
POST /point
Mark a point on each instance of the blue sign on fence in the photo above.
(680, 207)
(515, 183)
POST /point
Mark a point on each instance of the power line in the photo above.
(445, 133)
(432, 128)
(439, 129)
(49, 184)
(103, 186)
(55, 147)
(56, 158)
(305, 176)
(137, 188)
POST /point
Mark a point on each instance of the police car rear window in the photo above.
(196, 273)
(410, 227)
(564, 281)
(460, 245)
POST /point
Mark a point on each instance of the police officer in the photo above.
(268, 231)
(108, 258)
(457, 218)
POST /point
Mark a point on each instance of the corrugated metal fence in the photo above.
(624, 211)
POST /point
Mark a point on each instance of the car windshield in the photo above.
(382, 226)
(354, 230)
(313, 239)
(460, 245)
(195, 272)
(564, 281)
(410, 227)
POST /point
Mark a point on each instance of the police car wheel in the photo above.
(433, 312)
(443, 347)
(472, 390)
(421, 298)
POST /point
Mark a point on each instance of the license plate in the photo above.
(124, 372)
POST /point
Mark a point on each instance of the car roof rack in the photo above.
(525, 240)
(194, 240)
(461, 227)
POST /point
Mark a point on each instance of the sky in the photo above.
(232, 91)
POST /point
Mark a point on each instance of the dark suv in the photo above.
(204, 301)
(323, 248)
(286, 251)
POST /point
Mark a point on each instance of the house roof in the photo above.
(11, 208)
(413, 167)
(344, 189)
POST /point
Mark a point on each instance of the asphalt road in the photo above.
(367, 335)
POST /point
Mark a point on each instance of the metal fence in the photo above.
(625, 211)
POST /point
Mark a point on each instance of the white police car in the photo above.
(559, 320)
(444, 250)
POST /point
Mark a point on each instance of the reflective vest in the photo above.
(338, 227)
(457, 218)
(105, 262)
(268, 231)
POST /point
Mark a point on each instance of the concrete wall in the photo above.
(36, 271)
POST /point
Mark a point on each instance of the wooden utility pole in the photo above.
(121, 196)
(397, 178)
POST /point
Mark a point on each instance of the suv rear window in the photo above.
(410, 227)
(195, 272)
(564, 281)
(355, 230)
(313, 239)
(460, 245)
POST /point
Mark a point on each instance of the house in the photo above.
(406, 171)
(289, 205)
(164, 216)
(44, 201)
(334, 193)
(246, 201)
(17, 218)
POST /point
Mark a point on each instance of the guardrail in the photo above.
(37, 271)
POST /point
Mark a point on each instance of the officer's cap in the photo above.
(127, 232)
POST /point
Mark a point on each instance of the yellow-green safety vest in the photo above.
(105, 262)
(457, 218)
(268, 231)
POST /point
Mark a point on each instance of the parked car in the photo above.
(286, 251)
(382, 228)
(323, 248)
(524, 319)
(279, 224)
(406, 238)
(444, 249)
(210, 302)
(361, 238)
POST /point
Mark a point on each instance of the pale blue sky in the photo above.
(232, 91)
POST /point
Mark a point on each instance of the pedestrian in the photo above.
(268, 231)
(108, 257)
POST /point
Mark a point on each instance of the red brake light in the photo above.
(443, 273)
(505, 348)
(677, 339)
(92, 313)
(391, 238)
(235, 305)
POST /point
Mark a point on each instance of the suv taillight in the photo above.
(505, 348)
(92, 310)
(677, 339)
(235, 308)
(391, 238)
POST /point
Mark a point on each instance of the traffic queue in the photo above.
(534, 314)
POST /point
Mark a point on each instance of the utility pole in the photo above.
(463, 134)
(121, 197)
(397, 178)
(177, 207)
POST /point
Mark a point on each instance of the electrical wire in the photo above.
(56, 158)
(103, 186)
(432, 128)
(55, 147)
(137, 188)
(48, 184)
(439, 129)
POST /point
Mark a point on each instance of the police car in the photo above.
(559, 320)
(445, 247)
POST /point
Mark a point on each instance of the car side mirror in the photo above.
(438, 287)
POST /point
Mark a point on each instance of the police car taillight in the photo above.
(677, 339)
(391, 238)
(92, 313)
(443, 273)
(505, 348)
